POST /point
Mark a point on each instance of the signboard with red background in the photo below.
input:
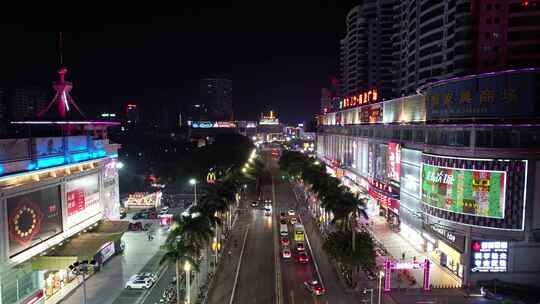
(82, 196)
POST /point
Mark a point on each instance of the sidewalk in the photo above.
(221, 288)
(396, 245)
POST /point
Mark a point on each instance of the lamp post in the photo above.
(381, 275)
(187, 269)
(371, 294)
(82, 268)
(194, 183)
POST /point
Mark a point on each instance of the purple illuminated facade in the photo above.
(481, 134)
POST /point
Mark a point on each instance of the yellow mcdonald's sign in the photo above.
(211, 177)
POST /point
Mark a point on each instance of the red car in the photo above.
(300, 247)
(315, 287)
(303, 258)
(285, 241)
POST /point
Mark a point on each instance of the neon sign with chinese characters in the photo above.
(364, 98)
(489, 256)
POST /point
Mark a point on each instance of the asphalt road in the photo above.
(256, 279)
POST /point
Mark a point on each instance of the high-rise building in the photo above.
(132, 113)
(437, 39)
(26, 102)
(216, 99)
(367, 49)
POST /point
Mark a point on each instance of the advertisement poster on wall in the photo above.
(82, 195)
(111, 195)
(467, 191)
(394, 161)
(33, 218)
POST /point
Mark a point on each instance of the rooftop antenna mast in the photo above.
(62, 98)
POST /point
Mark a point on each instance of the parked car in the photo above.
(147, 215)
(136, 282)
(315, 287)
(150, 275)
(135, 226)
(123, 212)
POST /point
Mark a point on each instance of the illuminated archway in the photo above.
(390, 265)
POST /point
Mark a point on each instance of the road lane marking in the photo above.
(238, 266)
(277, 262)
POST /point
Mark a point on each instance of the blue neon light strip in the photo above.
(61, 160)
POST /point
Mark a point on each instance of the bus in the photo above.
(299, 233)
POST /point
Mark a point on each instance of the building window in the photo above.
(497, 6)
(496, 20)
(488, 20)
(488, 35)
(496, 35)
(489, 6)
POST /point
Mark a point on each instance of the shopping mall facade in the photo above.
(454, 169)
(53, 192)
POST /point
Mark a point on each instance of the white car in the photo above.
(292, 212)
(286, 253)
(137, 282)
(149, 275)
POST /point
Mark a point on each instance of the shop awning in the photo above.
(80, 247)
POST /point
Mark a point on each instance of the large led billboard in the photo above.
(82, 195)
(466, 191)
(33, 218)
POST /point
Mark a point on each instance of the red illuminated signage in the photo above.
(367, 97)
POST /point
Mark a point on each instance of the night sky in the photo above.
(278, 56)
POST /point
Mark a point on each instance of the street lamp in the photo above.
(381, 275)
(371, 294)
(83, 268)
(187, 269)
(194, 183)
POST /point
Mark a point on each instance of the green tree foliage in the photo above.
(338, 245)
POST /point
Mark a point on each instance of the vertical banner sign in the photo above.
(394, 161)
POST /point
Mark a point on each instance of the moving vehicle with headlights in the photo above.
(286, 253)
(138, 282)
(293, 220)
(292, 212)
(315, 287)
(283, 230)
(285, 241)
(299, 233)
(254, 204)
(303, 258)
(300, 247)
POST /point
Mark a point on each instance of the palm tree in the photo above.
(177, 251)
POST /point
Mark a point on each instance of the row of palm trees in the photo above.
(197, 232)
(344, 244)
